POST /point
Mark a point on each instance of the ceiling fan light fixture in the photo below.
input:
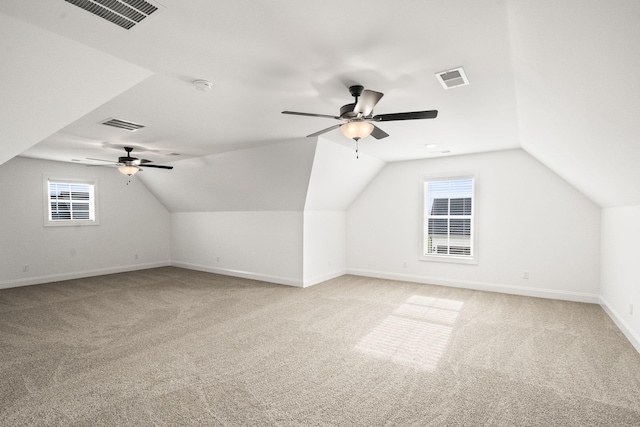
(129, 170)
(356, 129)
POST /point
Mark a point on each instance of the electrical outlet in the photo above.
(218, 259)
(525, 275)
(404, 264)
(25, 268)
(136, 256)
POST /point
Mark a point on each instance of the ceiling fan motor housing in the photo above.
(126, 159)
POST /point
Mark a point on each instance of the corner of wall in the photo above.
(624, 327)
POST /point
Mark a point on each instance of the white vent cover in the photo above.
(124, 13)
(123, 124)
(452, 78)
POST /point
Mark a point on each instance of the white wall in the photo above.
(240, 213)
(325, 246)
(239, 192)
(529, 219)
(132, 221)
(337, 178)
(257, 245)
(620, 281)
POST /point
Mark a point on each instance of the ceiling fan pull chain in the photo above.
(357, 155)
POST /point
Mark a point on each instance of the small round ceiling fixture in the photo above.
(203, 85)
(431, 145)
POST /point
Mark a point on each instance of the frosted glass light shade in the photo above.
(129, 170)
(356, 130)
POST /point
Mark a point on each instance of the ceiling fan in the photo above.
(131, 165)
(359, 115)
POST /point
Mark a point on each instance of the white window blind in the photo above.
(70, 203)
(448, 218)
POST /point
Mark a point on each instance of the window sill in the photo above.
(70, 223)
(450, 259)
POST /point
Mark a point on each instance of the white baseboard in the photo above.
(482, 286)
(289, 281)
(624, 327)
(37, 280)
(323, 277)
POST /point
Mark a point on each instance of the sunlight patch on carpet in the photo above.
(416, 334)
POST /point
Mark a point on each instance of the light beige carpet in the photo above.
(170, 346)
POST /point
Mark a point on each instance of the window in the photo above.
(448, 228)
(70, 202)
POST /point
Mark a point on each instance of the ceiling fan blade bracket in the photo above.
(347, 112)
(366, 102)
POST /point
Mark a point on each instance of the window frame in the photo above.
(92, 182)
(447, 258)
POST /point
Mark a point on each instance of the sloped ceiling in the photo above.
(273, 177)
(545, 76)
(338, 176)
(49, 81)
(576, 65)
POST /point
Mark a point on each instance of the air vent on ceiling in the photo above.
(123, 124)
(124, 13)
(452, 78)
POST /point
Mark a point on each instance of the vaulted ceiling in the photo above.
(554, 78)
